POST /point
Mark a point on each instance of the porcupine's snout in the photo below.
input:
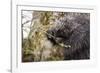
(50, 36)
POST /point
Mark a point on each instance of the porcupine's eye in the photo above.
(60, 34)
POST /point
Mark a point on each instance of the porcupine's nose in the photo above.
(50, 36)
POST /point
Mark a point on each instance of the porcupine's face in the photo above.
(58, 34)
